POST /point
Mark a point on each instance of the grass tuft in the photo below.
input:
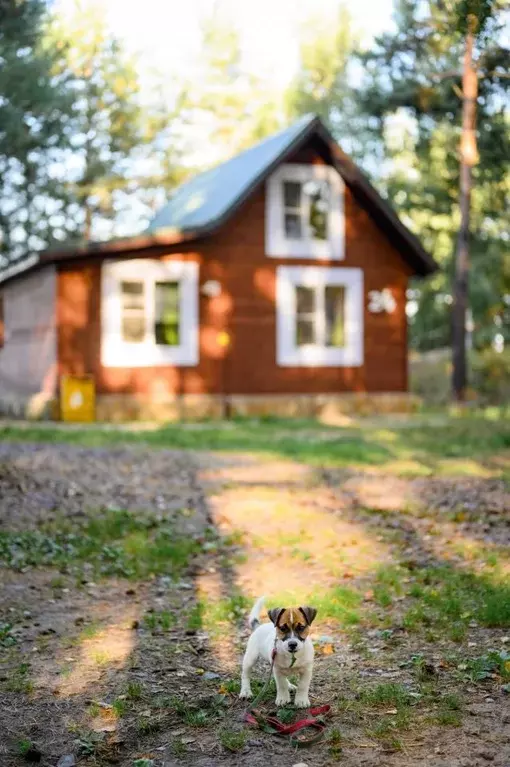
(386, 694)
(233, 740)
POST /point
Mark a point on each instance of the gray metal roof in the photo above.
(203, 201)
(203, 204)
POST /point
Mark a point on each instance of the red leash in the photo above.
(273, 725)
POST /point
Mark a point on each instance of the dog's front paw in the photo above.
(301, 702)
(246, 693)
(282, 700)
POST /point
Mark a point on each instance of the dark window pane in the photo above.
(305, 331)
(167, 326)
(335, 316)
(292, 194)
(319, 207)
(133, 328)
(167, 333)
(305, 300)
(293, 226)
(132, 294)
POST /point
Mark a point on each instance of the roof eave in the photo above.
(417, 257)
(101, 249)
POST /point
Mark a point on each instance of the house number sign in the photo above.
(381, 301)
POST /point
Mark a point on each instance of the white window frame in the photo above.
(288, 353)
(115, 352)
(278, 244)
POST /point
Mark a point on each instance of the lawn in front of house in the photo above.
(469, 444)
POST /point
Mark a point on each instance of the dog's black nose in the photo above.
(292, 645)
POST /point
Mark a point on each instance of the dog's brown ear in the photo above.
(309, 613)
(275, 613)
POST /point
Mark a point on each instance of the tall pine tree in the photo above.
(412, 100)
(107, 126)
(34, 114)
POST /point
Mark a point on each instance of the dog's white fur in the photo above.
(261, 644)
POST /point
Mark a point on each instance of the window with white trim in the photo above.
(319, 316)
(149, 313)
(304, 212)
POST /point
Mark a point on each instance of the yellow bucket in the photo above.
(77, 399)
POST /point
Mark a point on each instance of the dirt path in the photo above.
(122, 609)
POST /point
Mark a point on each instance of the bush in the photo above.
(491, 376)
(488, 376)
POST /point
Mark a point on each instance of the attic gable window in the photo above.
(304, 212)
(149, 313)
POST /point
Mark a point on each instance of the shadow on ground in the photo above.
(116, 648)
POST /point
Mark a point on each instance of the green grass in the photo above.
(23, 746)
(19, 680)
(233, 740)
(451, 702)
(385, 694)
(134, 691)
(339, 603)
(115, 543)
(418, 438)
(449, 718)
(450, 599)
(201, 713)
(120, 706)
(195, 619)
(163, 620)
(198, 718)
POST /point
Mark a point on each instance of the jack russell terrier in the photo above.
(286, 641)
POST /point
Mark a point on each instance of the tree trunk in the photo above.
(87, 230)
(468, 158)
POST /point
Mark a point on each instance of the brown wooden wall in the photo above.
(246, 309)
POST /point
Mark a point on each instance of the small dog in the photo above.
(287, 635)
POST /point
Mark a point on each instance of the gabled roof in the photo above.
(205, 200)
(202, 205)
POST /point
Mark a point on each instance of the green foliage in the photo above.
(234, 104)
(491, 376)
(106, 125)
(487, 666)
(321, 84)
(34, 109)
(411, 101)
(430, 376)
(6, 637)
